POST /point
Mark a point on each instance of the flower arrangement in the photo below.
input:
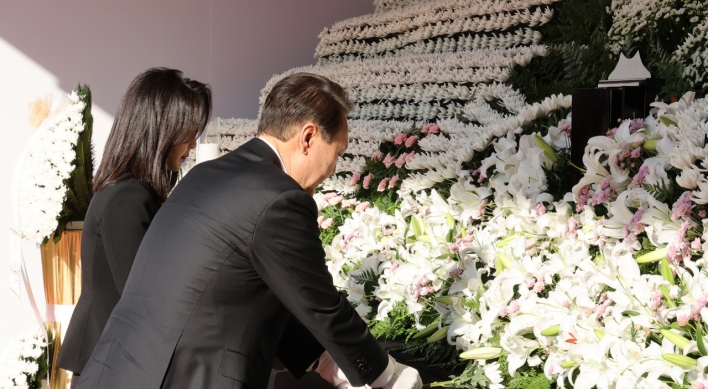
(24, 363)
(601, 287)
(52, 179)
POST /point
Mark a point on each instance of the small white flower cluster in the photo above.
(463, 42)
(18, 363)
(48, 160)
(635, 19)
(235, 132)
(693, 53)
(378, 130)
(407, 31)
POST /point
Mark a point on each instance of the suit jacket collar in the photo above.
(262, 149)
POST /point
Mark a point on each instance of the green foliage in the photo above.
(79, 191)
(338, 215)
(664, 191)
(528, 378)
(438, 354)
(577, 55)
(473, 377)
(397, 325)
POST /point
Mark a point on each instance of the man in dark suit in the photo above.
(232, 272)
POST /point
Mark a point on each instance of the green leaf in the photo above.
(699, 340)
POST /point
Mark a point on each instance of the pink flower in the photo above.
(376, 155)
(394, 180)
(388, 161)
(382, 185)
(565, 129)
(320, 219)
(367, 181)
(411, 141)
(327, 223)
(410, 156)
(362, 207)
(348, 203)
(401, 160)
(355, 179)
(433, 129)
(335, 200)
(400, 139)
(394, 267)
(329, 195)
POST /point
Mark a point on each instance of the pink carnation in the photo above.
(362, 207)
(400, 139)
(410, 156)
(394, 180)
(329, 195)
(355, 179)
(376, 155)
(320, 219)
(335, 200)
(388, 161)
(367, 181)
(382, 185)
(348, 203)
(433, 129)
(401, 160)
(327, 223)
(411, 141)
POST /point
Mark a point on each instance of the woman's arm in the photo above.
(127, 216)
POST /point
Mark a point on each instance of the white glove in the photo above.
(330, 372)
(404, 377)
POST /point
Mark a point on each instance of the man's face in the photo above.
(324, 156)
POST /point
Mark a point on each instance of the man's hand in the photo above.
(330, 372)
(404, 377)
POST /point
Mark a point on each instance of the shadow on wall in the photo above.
(236, 45)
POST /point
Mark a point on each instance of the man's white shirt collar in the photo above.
(276, 153)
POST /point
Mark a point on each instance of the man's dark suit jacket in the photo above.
(116, 221)
(230, 268)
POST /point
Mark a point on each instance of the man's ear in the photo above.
(308, 132)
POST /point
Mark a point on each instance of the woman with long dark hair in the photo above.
(157, 123)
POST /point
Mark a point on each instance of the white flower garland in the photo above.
(349, 41)
(485, 65)
(422, 15)
(465, 42)
(235, 132)
(388, 5)
(46, 162)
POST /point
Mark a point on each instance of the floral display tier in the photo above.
(451, 224)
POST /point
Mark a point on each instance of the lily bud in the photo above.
(681, 361)
(665, 291)
(505, 241)
(568, 364)
(482, 353)
(551, 331)
(508, 263)
(649, 145)
(599, 334)
(447, 300)
(548, 150)
(438, 335)
(653, 256)
(499, 265)
(666, 271)
(675, 338)
(427, 330)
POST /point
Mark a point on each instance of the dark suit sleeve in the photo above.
(287, 253)
(298, 349)
(125, 220)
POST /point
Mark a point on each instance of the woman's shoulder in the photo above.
(126, 194)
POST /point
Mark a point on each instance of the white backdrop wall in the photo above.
(48, 47)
